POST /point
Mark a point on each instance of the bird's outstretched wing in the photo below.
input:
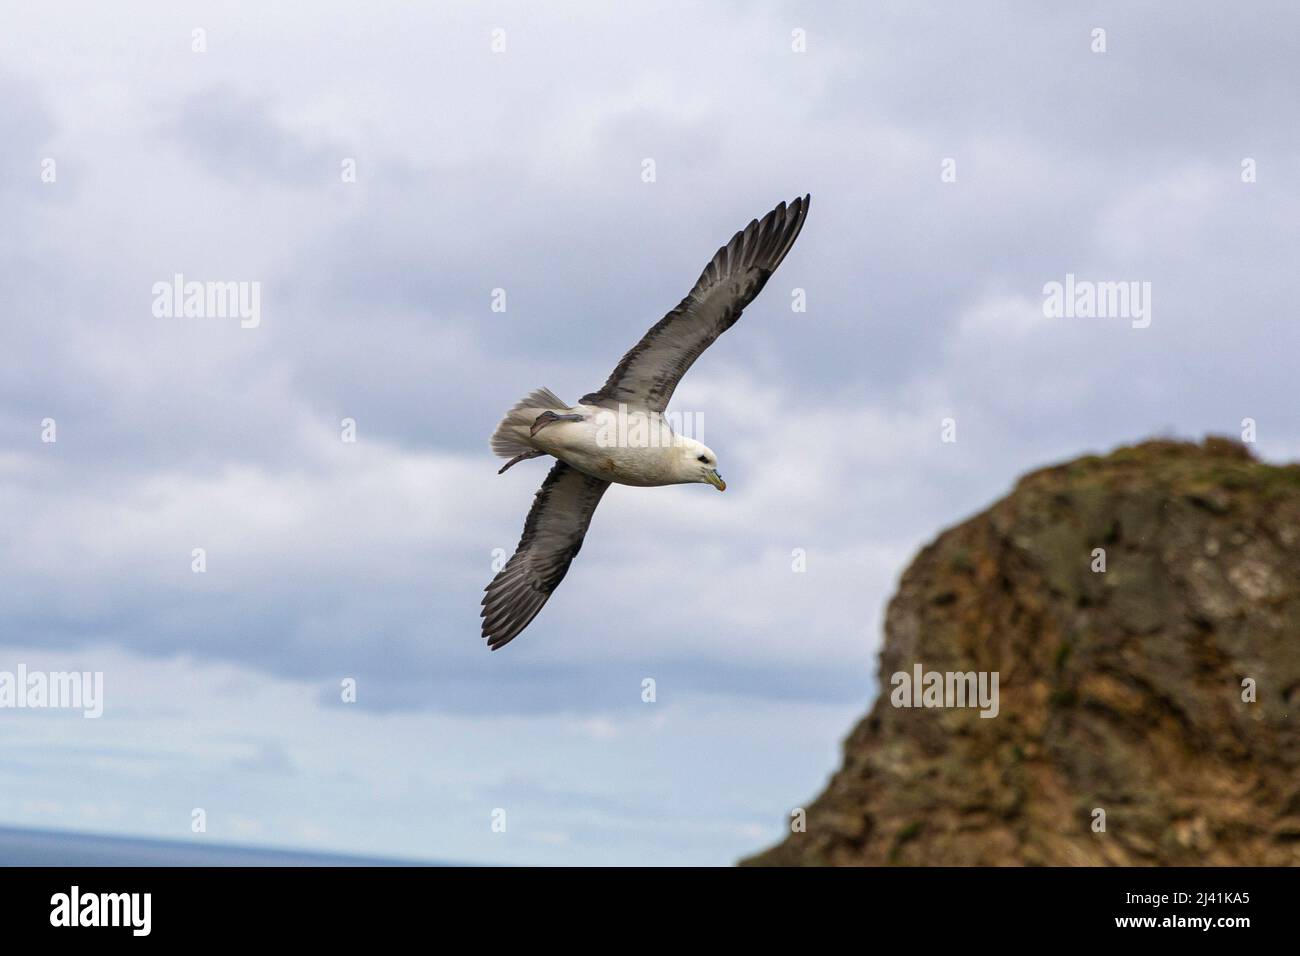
(647, 375)
(552, 536)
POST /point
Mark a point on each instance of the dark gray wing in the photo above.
(552, 537)
(650, 372)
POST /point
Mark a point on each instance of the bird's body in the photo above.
(635, 447)
(619, 434)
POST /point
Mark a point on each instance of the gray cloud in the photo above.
(235, 137)
(521, 172)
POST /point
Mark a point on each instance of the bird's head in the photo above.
(699, 463)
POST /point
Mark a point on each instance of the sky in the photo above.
(380, 171)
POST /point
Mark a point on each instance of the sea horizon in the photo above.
(32, 846)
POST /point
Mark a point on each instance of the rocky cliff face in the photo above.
(1121, 690)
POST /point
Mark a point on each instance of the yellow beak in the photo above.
(715, 479)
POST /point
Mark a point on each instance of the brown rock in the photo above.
(1120, 691)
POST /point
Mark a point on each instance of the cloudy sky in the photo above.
(960, 157)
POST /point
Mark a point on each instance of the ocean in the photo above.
(26, 847)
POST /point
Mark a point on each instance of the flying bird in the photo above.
(619, 435)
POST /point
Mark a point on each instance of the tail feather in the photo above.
(511, 437)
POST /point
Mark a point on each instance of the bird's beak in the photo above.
(715, 479)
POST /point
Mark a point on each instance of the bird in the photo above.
(619, 434)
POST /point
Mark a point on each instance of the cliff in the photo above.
(1125, 690)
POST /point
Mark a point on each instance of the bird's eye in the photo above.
(703, 459)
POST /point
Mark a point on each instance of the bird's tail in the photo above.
(511, 437)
